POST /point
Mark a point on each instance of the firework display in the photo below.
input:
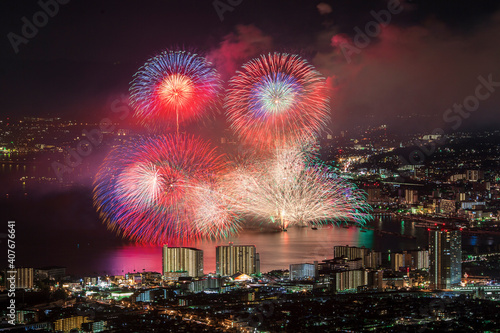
(174, 87)
(277, 99)
(292, 188)
(152, 190)
(216, 215)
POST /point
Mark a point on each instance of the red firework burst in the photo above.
(150, 190)
(277, 99)
(174, 87)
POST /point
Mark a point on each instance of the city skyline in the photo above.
(237, 166)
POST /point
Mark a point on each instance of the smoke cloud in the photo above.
(405, 71)
(237, 48)
(324, 8)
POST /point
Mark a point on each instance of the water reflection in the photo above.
(130, 258)
(277, 249)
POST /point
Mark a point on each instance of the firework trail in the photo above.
(159, 188)
(216, 216)
(174, 87)
(276, 100)
(293, 188)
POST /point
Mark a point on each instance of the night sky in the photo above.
(426, 59)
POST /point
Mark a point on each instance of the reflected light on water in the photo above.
(277, 249)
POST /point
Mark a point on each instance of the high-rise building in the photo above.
(183, 259)
(302, 271)
(206, 283)
(375, 279)
(349, 280)
(408, 261)
(461, 196)
(373, 260)
(420, 259)
(234, 259)
(70, 323)
(151, 295)
(26, 316)
(411, 196)
(397, 261)
(474, 175)
(51, 272)
(368, 258)
(257, 263)
(416, 259)
(350, 252)
(445, 258)
(95, 326)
